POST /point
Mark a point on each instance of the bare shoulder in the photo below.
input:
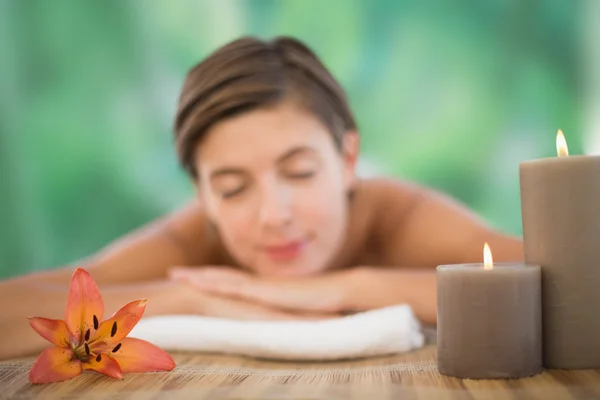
(386, 198)
(420, 226)
(401, 217)
(383, 189)
(377, 207)
(395, 199)
(187, 226)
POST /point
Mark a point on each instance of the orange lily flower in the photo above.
(83, 342)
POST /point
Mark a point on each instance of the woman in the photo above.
(281, 227)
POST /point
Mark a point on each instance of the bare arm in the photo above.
(30, 298)
(374, 287)
(133, 267)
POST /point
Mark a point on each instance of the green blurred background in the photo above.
(450, 94)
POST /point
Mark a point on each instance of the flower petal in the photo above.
(137, 355)
(84, 302)
(105, 365)
(53, 330)
(113, 330)
(53, 365)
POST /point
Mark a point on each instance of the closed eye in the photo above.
(232, 193)
(300, 175)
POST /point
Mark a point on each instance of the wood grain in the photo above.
(201, 376)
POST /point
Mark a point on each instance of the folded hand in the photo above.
(326, 294)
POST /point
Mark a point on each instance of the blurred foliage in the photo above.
(450, 94)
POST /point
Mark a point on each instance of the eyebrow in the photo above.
(294, 151)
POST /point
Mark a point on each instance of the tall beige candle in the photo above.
(560, 201)
(489, 320)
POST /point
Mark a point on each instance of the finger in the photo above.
(283, 294)
(238, 287)
(206, 273)
(178, 273)
(226, 307)
(223, 274)
(293, 296)
(269, 293)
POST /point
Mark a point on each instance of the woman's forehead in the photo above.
(263, 136)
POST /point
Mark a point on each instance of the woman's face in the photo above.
(276, 187)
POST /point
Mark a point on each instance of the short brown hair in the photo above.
(250, 73)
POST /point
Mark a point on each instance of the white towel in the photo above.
(384, 331)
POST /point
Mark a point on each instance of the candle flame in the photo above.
(488, 262)
(561, 144)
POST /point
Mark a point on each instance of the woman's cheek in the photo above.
(237, 222)
(317, 211)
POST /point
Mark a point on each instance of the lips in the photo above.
(286, 251)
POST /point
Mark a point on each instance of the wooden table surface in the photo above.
(201, 376)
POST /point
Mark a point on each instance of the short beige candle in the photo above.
(560, 201)
(489, 320)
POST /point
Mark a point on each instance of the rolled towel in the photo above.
(376, 332)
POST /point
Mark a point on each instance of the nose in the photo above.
(275, 207)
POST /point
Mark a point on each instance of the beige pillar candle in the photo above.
(489, 320)
(560, 202)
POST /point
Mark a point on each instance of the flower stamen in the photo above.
(113, 331)
(87, 349)
(99, 358)
(87, 335)
(96, 323)
(117, 347)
